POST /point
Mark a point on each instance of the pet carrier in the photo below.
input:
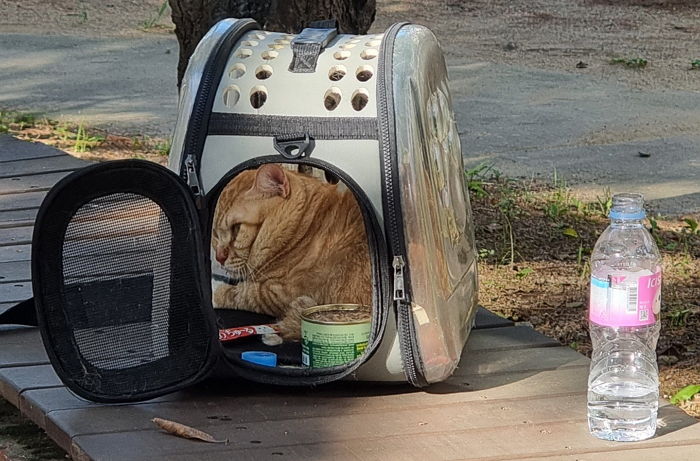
(122, 269)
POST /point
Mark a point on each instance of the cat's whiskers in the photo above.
(252, 273)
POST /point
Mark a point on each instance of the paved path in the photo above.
(525, 122)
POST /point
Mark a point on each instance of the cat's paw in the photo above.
(225, 297)
(272, 339)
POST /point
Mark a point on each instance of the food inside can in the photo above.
(334, 334)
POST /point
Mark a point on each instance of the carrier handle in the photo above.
(294, 146)
(309, 44)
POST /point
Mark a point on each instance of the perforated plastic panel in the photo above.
(125, 313)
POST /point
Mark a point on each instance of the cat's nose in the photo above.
(221, 255)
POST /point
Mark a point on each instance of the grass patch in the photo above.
(152, 22)
(634, 63)
(82, 140)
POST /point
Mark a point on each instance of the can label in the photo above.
(625, 300)
(324, 345)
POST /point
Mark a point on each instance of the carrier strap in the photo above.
(23, 313)
(309, 44)
(330, 128)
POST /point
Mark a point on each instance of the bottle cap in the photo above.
(267, 359)
(627, 206)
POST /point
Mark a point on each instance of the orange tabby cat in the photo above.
(295, 242)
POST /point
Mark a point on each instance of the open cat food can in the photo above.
(334, 334)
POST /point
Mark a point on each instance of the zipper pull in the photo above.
(399, 293)
(193, 179)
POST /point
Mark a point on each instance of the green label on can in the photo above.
(331, 345)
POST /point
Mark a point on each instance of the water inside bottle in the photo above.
(622, 409)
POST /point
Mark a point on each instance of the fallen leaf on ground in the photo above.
(187, 432)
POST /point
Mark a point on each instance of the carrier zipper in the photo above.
(399, 292)
(191, 171)
(413, 366)
(197, 126)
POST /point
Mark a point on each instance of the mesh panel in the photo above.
(116, 267)
(126, 318)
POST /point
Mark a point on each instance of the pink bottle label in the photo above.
(625, 301)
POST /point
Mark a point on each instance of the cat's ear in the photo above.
(271, 179)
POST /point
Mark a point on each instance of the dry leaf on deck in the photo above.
(185, 431)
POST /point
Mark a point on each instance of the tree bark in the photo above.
(193, 18)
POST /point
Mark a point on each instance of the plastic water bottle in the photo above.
(625, 302)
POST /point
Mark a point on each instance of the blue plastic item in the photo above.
(268, 359)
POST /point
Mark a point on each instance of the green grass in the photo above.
(634, 63)
(153, 20)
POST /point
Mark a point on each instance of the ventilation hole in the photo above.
(250, 43)
(370, 53)
(258, 96)
(332, 98)
(348, 46)
(275, 46)
(263, 72)
(364, 73)
(282, 42)
(269, 55)
(341, 55)
(244, 53)
(373, 43)
(354, 41)
(337, 72)
(231, 96)
(360, 98)
(378, 37)
(259, 36)
(237, 71)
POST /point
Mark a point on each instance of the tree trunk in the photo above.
(193, 18)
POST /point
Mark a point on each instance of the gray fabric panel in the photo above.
(305, 57)
(223, 124)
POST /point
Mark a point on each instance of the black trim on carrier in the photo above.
(381, 294)
(413, 365)
(331, 128)
(197, 126)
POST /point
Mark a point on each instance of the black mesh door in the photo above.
(121, 283)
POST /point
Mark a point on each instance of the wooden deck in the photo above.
(516, 395)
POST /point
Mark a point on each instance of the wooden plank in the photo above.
(36, 404)
(13, 149)
(14, 381)
(62, 163)
(235, 401)
(487, 319)
(17, 218)
(32, 183)
(366, 403)
(316, 428)
(536, 430)
(671, 453)
(15, 291)
(550, 358)
(507, 338)
(21, 347)
(15, 253)
(16, 236)
(15, 271)
(21, 201)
